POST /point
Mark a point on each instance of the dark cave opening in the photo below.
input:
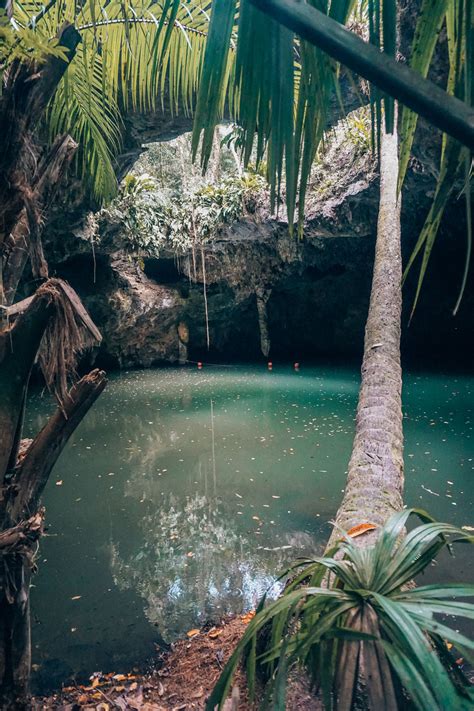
(87, 273)
(165, 271)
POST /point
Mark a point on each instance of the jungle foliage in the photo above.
(165, 203)
(227, 56)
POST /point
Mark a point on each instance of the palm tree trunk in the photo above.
(375, 477)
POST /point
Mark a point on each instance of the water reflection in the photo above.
(194, 564)
(184, 493)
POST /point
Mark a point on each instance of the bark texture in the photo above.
(375, 479)
(52, 327)
(25, 96)
(26, 465)
(24, 241)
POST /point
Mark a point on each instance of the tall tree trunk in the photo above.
(374, 487)
(52, 326)
(26, 465)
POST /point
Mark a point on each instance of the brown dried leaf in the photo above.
(214, 633)
(360, 529)
(192, 633)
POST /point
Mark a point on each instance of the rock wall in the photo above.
(268, 294)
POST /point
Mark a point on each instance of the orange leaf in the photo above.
(360, 529)
(192, 633)
(248, 616)
(214, 633)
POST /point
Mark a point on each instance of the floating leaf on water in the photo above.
(360, 529)
(59, 482)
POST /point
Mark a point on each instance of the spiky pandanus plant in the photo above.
(353, 621)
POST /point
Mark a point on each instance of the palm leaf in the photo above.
(428, 27)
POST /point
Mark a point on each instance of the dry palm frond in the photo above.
(70, 331)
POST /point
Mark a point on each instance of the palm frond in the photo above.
(370, 623)
(85, 108)
(429, 24)
(459, 18)
(133, 55)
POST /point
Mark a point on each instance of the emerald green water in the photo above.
(184, 492)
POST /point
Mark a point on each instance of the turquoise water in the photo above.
(184, 492)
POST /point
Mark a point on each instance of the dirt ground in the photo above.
(182, 680)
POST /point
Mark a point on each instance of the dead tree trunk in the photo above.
(50, 327)
(26, 93)
(24, 470)
(24, 241)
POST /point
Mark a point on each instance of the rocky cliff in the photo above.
(268, 294)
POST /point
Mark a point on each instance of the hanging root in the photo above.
(70, 331)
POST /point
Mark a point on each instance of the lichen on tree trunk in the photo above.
(375, 478)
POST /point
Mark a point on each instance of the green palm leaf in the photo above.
(369, 624)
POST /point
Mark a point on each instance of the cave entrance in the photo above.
(163, 271)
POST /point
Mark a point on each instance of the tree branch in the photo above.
(33, 472)
(18, 348)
